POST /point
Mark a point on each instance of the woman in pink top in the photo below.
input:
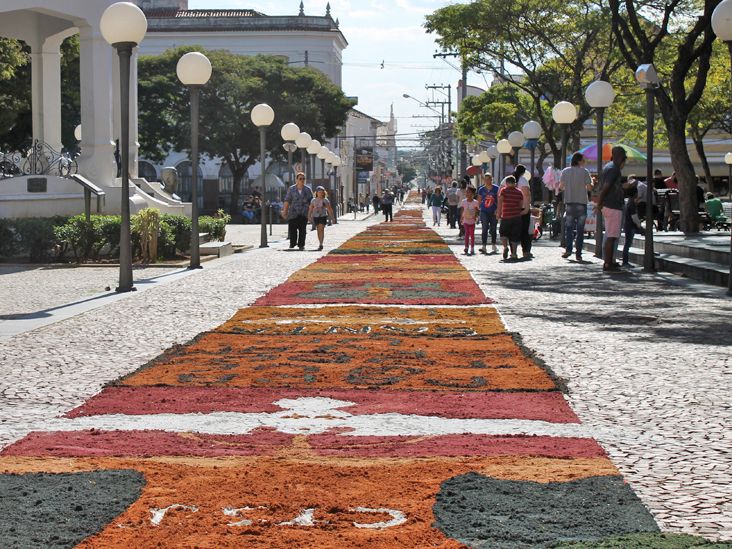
(470, 210)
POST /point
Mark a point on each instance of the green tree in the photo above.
(500, 110)
(297, 94)
(15, 118)
(16, 122)
(558, 47)
(712, 111)
(70, 91)
(407, 171)
(678, 36)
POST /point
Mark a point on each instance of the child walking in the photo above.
(469, 208)
(318, 213)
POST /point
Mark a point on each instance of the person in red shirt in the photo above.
(672, 182)
(512, 204)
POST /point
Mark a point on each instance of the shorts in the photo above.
(613, 220)
(511, 229)
(320, 220)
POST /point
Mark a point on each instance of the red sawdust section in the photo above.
(147, 444)
(378, 290)
(423, 321)
(547, 406)
(340, 362)
(278, 490)
(95, 443)
(454, 446)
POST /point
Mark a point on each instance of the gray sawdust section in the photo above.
(60, 510)
(485, 513)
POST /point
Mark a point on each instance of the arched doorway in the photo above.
(148, 171)
(184, 182)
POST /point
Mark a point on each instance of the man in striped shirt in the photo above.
(512, 204)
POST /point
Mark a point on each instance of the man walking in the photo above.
(488, 198)
(387, 202)
(610, 203)
(453, 202)
(295, 210)
(575, 181)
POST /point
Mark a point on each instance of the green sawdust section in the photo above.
(60, 510)
(648, 541)
(491, 513)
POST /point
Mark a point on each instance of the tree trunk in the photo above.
(699, 144)
(235, 194)
(686, 176)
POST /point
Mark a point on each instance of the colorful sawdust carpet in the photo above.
(330, 427)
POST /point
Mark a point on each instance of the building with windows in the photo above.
(303, 39)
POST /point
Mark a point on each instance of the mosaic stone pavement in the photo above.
(396, 420)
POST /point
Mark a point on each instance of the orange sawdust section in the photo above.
(424, 321)
(278, 490)
(496, 363)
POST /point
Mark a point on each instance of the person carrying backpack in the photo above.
(453, 203)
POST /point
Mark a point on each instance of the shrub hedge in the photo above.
(43, 239)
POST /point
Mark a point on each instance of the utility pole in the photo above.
(441, 89)
(463, 166)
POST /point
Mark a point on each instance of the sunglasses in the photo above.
(300, 178)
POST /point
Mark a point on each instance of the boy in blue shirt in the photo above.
(488, 198)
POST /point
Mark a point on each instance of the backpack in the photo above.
(452, 196)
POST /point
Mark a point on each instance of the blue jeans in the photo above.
(488, 222)
(575, 216)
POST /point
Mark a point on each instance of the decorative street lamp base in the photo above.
(120, 290)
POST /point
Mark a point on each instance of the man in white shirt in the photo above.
(575, 181)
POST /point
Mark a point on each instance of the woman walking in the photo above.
(437, 201)
(318, 213)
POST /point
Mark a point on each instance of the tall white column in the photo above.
(97, 157)
(51, 93)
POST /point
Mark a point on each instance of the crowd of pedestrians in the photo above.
(507, 206)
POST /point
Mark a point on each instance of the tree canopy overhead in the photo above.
(301, 95)
(558, 47)
(677, 36)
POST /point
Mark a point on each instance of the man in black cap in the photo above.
(610, 202)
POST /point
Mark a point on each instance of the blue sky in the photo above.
(378, 30)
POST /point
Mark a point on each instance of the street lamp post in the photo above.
(504, 149)
(313, 150)
(336, 186)
(322, 155)
(517, 141)
(477, 162)
(194, 70)
(722, 27)
(728, 161)
(493, 154)
(647, 78)
(532, 132)
(599, 95)
(263, 116)
(303, 142)
(123, 25)
(563, 113)
(485, 158)
(289, 133)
